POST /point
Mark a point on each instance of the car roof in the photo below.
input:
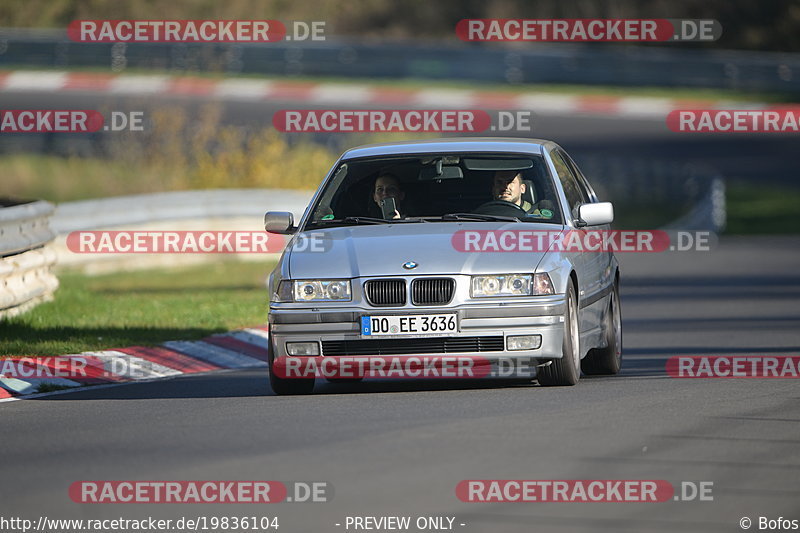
(462, 144)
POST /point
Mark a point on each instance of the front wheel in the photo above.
(607, 361)
(565, 371)
(285, 386)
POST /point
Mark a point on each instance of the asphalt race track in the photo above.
(400, 447)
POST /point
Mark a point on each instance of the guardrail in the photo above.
(709, 213)
(204, 210)
(584, 64)
(677, 195)
(136, 209)
(25, 256)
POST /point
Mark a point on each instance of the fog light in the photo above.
(523, 342)
(302, 348)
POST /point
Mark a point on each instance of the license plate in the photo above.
(416, 325)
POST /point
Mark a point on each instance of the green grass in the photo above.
(52, 387)
(758, 210)
(67, 179)
(649, 216)
(141, 308)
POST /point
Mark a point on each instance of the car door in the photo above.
(590, 265)
(604, 258)
(602, 263)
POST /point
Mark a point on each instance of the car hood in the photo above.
(382, 250)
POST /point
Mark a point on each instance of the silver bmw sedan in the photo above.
(472, 248)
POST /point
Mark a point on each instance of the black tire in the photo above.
(607, 361)
(565, 371)
(284, 386)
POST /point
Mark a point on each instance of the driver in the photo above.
(508, 186)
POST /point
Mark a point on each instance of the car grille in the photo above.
(424, 291)
(432, 291)
(386, 292)
(416, 346)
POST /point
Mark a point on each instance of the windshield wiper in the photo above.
(371, 220)
(476, 216)
(362, 220)
(365, 220)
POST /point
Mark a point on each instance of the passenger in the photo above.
(388, 186)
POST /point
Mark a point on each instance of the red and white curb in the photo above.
(237, 349)
(343, 94)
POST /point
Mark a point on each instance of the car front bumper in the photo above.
(479, 325)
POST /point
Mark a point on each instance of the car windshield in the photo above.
(438, 188)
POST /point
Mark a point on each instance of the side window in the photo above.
(574, 192)
(587, 189)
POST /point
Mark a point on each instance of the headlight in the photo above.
(511, 285)
(542, 285)
(314, 290)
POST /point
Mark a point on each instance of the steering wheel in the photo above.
(500, 208)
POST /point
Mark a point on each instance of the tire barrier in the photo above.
(26, 256)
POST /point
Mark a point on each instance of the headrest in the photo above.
(530, 192)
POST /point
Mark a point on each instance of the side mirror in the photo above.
(281, 222)
(595, 214)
